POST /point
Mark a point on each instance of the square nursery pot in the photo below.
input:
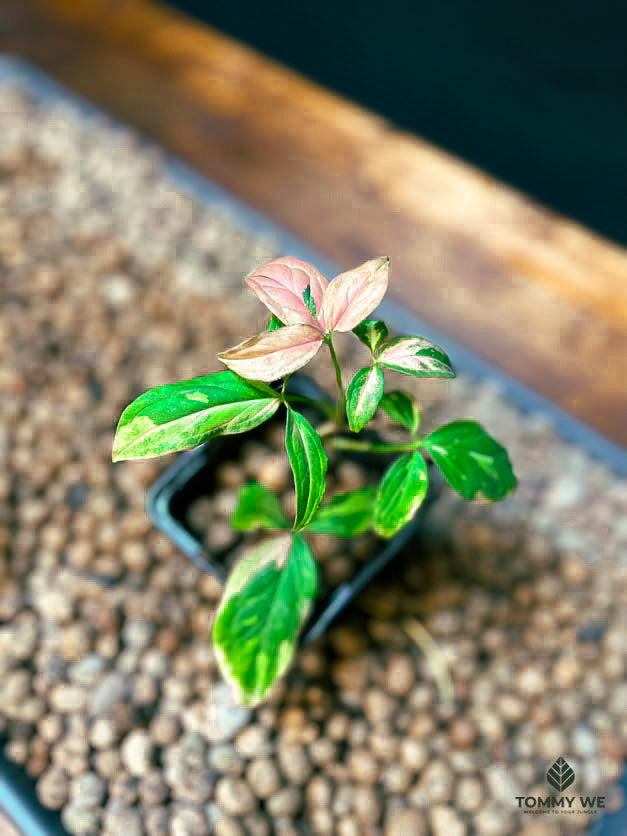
(191, 476)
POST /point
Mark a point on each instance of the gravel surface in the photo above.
(495, 646)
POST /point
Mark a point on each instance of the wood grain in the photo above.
(541, 297)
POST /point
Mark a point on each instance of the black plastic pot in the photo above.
(191, 477)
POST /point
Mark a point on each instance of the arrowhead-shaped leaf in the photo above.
(308, 461)
(273, 354)
(181, 415)
(280, 285)
(265, 603)
(257, 507)
(351, 296)
(345, 515)
(415, 356)
(402, 408)
(371, 332)
(362, 397)
(561, 775)
(471, 461)
(400, 494)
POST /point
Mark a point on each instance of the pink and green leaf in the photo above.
(353, 295)
(273, 354)
(280, 285)
(415, 356)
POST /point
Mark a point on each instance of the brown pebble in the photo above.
(157, 821)
(124, 787)
(322, 751)
(462, 732)
(81, 819)
(348, 827)
(422, 727)
(88, 789)
(227, 826)
(469, 794)
(107, 762)
(67, 698)
(137, 752)
(53, 788)
(366, 804)
(256, 824)
(405, 822)
(566, 672)
(383, 743)
(413, 753)
(263, 777)
(234, 796)
(252, 742)
(363, 766)
(164, 728)
(152, 788)
(285, 802)
(378, 706)
(396, 778)
(293, 762)
(446, 822)
(103, 733)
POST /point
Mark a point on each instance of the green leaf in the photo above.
(362, 396)
(371, 332)
(181, 415)
(309, 465)
(309, 301)
(471, 461)
(415, 356)
(273, 323)
(345, 515)
(257, 507)
(402, 408)
(265, 602)
(401, 492)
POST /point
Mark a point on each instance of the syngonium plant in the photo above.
(270, 591)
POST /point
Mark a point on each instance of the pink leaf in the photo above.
(272, 354)
(351, 296)
(280, 285)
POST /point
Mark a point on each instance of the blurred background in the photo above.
(121, 269)
(534, 93)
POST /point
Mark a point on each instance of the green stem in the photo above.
(343, 443)
(341, 404)
(323, 406)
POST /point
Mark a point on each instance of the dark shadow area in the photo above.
(534, 93)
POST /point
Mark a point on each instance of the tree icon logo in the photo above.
(560, 776)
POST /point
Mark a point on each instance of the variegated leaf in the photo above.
(471, 461)
(273, 354)
(280, 285)
(353, 295)
(181, 415)
(264, 605)
(401, 492)
(415, 356)
(308, 462)
(363, 396)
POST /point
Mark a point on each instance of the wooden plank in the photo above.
(540, 296)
